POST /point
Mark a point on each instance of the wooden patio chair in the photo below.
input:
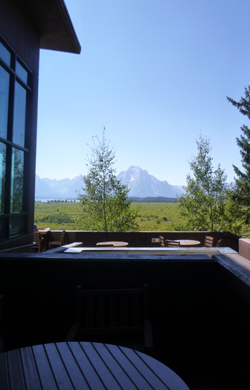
(55, 244)
(162, 241)
(117, 316)
(219, 243)
(209, 242)
(38, 242)
(172, 243)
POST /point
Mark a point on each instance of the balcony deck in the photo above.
(199, 305)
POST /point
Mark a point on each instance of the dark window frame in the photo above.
(7, 216)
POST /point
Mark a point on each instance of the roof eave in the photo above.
(53, 23)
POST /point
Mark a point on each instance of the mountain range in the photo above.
(140, 183)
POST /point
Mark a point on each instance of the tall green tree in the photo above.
(240, 194)
(242, 179)
(203, 203)
(104, 204)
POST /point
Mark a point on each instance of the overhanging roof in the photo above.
(52, 20)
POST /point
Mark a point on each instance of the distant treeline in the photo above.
(158, 199)
(57, 200)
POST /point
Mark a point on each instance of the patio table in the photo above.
(112, 243)
(84, 365)
(188, 242)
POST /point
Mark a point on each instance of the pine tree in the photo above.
(242, 180)
(104, 204)
(203, 204)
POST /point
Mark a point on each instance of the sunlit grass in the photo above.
(152, 216)
(157, 216)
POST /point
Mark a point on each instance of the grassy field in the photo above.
(152, 216)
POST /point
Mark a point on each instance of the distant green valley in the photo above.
(152, 216)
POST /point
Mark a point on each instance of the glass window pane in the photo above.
(21, 72)
(4, 101)
(5, 54)
(16, 202)
(3, 227)
(2, 176)
(19, 114)
(17, 226)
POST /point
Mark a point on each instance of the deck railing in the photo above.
(143, 239)
(199, 306)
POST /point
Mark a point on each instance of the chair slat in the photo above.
(124, 311)
(112, 316)
(100, 312)
(162, 241)
(89, 312)
(135, 305)
(112, 307)
(208, 241)
(172, 243)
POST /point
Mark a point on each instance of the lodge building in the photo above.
(26, 26)
(199, 305)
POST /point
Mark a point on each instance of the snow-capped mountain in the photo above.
(140, 183)
(58, 189)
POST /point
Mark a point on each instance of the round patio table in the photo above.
(82, 366)
(112, 243)
(188, 242)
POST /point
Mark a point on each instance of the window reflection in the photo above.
(5, 54)
(4, 101)
(17, 225)
(21, 72)
(17, 181)
(2, 176)
(19, 114)
(3, 228)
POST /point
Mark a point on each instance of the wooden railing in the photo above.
(199, 306)
(143, 239)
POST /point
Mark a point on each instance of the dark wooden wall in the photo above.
(199, 309)
(22, 36)
(143, 239)
(20, 33)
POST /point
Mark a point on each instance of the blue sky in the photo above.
(156, 74)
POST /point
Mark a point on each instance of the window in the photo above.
(16, 199)
(4, 101)
(14, 95)
(2, 176)
(19, 114)
(5, 55)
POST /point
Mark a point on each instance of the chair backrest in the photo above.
(38, 241)
(208, 241)
(172, 243)
(162, 241)
(219, 243)
(62, 239)
(112, 312)
(36, 237)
